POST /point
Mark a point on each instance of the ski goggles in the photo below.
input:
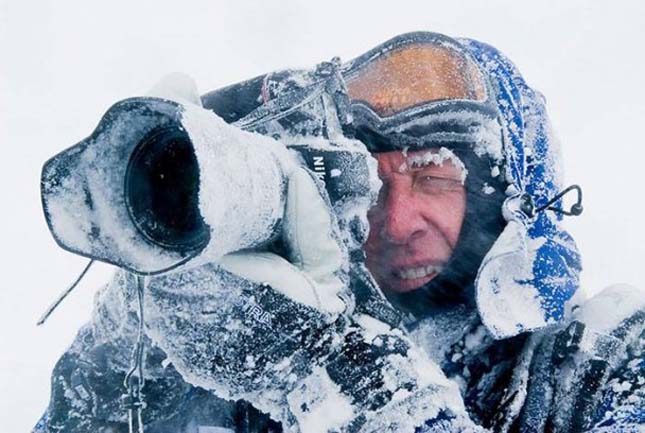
(420, 90)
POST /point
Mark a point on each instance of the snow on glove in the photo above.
(281, 331)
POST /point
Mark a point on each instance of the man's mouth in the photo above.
(417, 272)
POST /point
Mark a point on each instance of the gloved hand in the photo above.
(282, 332)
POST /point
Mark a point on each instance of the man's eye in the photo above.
(436, 185)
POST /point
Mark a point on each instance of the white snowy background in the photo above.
(63, 63)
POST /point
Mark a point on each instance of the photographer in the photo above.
(464, 240)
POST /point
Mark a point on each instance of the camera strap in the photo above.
(64, 294)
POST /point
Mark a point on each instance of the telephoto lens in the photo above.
(159, 183)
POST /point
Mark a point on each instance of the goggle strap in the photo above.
(329, 81)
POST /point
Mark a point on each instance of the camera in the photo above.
(159, 183)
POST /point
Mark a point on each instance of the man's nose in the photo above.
(404, 220)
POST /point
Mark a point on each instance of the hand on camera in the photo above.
(278, 327)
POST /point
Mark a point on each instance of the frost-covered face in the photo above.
(415, 225)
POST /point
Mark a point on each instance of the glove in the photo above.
(283, 331)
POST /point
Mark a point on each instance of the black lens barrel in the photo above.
(162, 190)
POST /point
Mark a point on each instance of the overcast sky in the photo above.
(63, 63)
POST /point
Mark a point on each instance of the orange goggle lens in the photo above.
(415, 75)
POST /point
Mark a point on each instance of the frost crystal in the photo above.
(437, 158)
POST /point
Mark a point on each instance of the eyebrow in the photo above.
(436, 158)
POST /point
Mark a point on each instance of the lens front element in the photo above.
(162, 190)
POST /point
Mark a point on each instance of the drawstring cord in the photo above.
(576, 208)
(134, 380)
(528, 207)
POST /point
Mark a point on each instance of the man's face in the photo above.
(415, 225)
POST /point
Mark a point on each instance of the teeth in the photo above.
(420, 272)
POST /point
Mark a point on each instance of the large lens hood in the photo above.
(102, 197)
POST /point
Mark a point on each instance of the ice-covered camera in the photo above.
(159, 183)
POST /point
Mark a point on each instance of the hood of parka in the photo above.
(532, 270)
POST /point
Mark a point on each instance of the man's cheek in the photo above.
(372, 250)
(376, 258)
(375, 218)
(448, 216)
